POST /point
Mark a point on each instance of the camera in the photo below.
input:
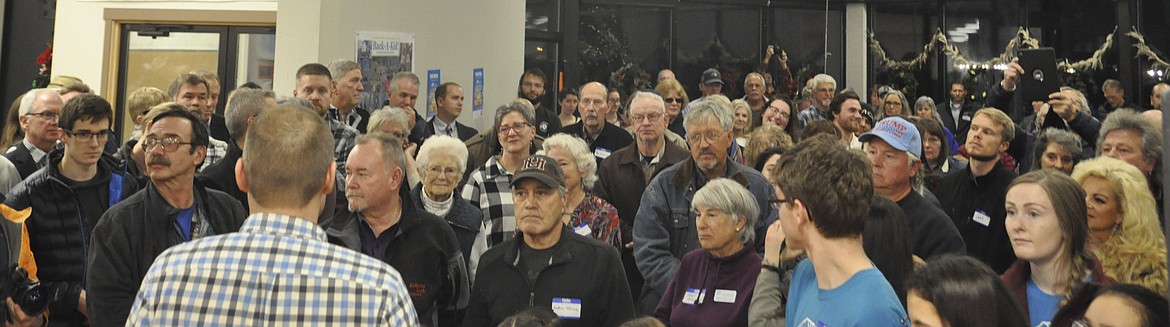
(30, 295)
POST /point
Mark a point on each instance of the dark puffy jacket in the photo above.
(463, 218)
(58, 233)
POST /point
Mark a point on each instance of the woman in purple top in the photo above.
(713, 285)
(592, 216)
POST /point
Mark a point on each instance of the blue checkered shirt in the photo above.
(277, 270)
(344, 138)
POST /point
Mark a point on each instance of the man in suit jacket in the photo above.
(347, 94)
(449, 100)
(957, 112)
(38, 111)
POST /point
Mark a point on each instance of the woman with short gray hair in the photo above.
(722, 274)
(592, 216)
(440, 163)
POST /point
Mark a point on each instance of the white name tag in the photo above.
(601, 153)
(583, 230)
(690, 296)
(567, 308)
(981, 218)
(725, 296)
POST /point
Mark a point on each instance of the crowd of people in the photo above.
(797, 206)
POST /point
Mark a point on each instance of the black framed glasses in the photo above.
(46, 115)
(169, 144)
(775, 203)
(88, 135)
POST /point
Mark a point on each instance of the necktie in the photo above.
(449, 132)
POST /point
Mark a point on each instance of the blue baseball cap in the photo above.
(899, 133)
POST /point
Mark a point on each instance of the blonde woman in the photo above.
(1123, 222)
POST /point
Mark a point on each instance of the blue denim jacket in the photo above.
(665, 229)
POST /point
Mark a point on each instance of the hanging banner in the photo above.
(433, 82)
(477, 90)
(381, 55)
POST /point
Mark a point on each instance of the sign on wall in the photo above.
(477, 91)
(381, 55)
(433, 81)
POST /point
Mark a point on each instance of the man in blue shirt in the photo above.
(278, 269)
(822, 195)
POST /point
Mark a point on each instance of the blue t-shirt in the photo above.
(866, 299)
(184, 221)
(1041, 306)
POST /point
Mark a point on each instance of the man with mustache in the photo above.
(420, 245)
(531, 88)
(172, 209)
(664, 230)
(603, 138)
(69, 194)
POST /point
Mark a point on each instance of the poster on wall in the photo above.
(433, 82)
(381, 55)
(477, 91)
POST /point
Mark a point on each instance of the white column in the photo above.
(856, 48)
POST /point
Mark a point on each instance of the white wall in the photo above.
(80, 31)
(455, 36)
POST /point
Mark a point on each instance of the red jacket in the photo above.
(1016, 278)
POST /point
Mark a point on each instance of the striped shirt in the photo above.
(277, 270)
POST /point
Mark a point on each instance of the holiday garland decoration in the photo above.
(1022, 40)
(1145, 50)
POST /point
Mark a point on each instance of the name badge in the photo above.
(725, 296)
(966, 117)
(690, 296)
(567, 308)
(601, 153)
(981, 218)
(583, 230)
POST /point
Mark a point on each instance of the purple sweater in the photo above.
(709, 291)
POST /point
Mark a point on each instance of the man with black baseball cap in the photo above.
(710, 84)
(580, 279)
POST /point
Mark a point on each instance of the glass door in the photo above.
(153, 55)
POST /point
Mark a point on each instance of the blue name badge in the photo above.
(691, 296)
(567, 308)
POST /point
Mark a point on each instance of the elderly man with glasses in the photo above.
(664, 230)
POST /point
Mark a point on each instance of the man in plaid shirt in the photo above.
(314, 84)
(278, 269)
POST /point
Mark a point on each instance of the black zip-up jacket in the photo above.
(425, 253)
(132, 234)
(584, 275)
(58, 232)
(963, 195)
(463, 218)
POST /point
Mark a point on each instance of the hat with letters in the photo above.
(542, 168)
(899, 133)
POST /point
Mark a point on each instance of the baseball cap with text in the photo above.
(899, 133)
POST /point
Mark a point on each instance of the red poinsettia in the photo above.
(46, 56)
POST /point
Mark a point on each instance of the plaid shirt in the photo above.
(489, 189)
(344, 138)
(276, 271)
(811, 114)
(216, 150)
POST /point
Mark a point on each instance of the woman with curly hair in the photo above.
(1123, 224)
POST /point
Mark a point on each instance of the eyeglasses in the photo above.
(673, 100)
(710, 137)
(442, 171)
(168, 144)
(46, 115)
(87, 135)
(775, 203)
(653, 117)
(504, 129)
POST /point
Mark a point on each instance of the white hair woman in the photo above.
(441, 161)
(591, 216)
(714, 284)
